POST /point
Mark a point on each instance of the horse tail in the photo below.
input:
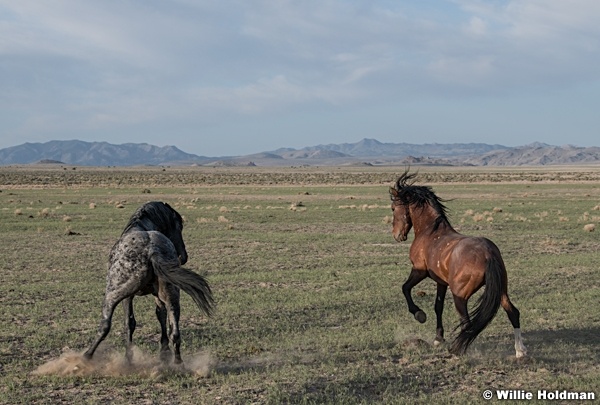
(192, 283)
(485, 309)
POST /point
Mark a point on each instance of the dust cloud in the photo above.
(110, 363)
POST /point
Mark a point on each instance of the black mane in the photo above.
(408, 193)
(154, 215)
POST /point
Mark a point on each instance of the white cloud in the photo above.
(476, 26)
(465, 72)
(91, 65)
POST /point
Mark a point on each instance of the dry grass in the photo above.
(309, 306)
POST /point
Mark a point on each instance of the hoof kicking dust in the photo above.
(110, 363)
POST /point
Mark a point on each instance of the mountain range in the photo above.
(365, 152)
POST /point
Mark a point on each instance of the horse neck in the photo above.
(141, 225)
(426, 220)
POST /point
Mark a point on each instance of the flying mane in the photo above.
(153, 215)
(420, 196)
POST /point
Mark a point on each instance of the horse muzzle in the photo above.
(183, 258)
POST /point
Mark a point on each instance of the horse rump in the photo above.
(485, 309)
(191, 283)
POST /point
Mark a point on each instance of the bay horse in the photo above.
(147, 259)
(463, 263)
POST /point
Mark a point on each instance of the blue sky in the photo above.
(225, 77)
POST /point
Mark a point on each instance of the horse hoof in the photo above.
(521, 354)
(166, 356)
(420, 316)
(437, 342)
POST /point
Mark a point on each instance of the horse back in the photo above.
(453, 257)
(130, 259)
(136, 246)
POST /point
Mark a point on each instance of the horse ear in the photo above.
(393, 193)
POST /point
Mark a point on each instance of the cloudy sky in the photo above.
(242, 76)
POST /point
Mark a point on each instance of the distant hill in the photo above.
(367, 152)
(373, 152)
(538, 154)
(96, 154)
(373, 148)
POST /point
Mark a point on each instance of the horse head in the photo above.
(415, 205)
(402, 222)
(175, 234)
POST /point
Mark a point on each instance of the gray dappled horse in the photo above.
(146, 260)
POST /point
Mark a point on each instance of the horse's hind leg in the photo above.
(514, 317)
(439, 309)
(116, 291)
(161, 315)
(460, 304)
(108, 308)
(169, 295)
(130, 324)
(414, 278)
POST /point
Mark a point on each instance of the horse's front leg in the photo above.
(415, 277)
(439, 309)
